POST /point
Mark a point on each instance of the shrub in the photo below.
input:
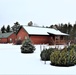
(45, 54)
(72, 46)
(64, 57)
(27, 46)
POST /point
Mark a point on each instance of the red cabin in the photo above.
(7, 37)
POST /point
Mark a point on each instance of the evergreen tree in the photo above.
(69, 28)
(73, 32)
(51, 26)
(61, 27)
(64, 57)
(65, 28)
(16, 27)
(8, 28)
(27, 46)
(3, 30)
(30, 23)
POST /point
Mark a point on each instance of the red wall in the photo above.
(13, 37)
(3, 40)
(39, 39)
(22, 33)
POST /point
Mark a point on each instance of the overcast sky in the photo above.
(41, 12)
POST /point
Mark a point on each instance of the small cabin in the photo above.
(7, 37)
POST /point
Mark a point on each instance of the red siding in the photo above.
(3, 40)
(39, 39)
(13, 37)
(22, 33)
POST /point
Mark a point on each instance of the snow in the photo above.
(42, 31)
(12, 61)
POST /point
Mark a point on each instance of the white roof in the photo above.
(42, 31)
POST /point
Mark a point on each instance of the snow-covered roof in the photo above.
(42, 31)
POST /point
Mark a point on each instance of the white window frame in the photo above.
(10, 39)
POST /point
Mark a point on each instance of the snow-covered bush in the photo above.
(45, 54)
(64, 57)
(27, 46)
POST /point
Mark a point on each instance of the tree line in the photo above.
(66, 28)
(4, 30)
(14, 28)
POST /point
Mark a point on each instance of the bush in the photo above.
(27, 46)
(45, 54)
(72, 46)
(64, 57)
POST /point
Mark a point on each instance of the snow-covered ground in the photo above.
(12, 61)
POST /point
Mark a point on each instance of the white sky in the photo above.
(41, 12)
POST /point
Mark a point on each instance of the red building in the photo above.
(38, 35)
(7, 37)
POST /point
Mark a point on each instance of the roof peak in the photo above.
(37, 27)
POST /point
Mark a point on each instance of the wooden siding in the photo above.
(60, 40)
(55, 40)
(12, 37)
(3, 40)
(22, 34)
(38, 39)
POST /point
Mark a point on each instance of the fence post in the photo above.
(45, 54)
(40, 48)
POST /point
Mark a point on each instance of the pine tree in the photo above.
(27, 46)
(30, 23)
(69, 28)
(3, 30)
(73, 32)
(8, 28)
(65, 28)
(16, 27)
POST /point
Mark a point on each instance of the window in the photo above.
(10, 40)
(25, 37)
(57, 37)
(61, 37)
(19, 38)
